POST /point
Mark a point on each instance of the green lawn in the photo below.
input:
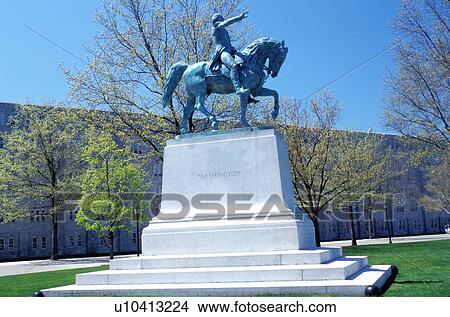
(424, 270)
(424, 267)
(27, 284)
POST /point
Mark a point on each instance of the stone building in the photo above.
(30, 237)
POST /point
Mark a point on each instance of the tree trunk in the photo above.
(316, 230)
(352, 225)
(54, 213)
(111, 244)
(55, 253)
(138, 247)
(369, 226)
(388, 225)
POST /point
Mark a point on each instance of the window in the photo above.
(2, 118)
(80, 240)
(157, 170)
(402, 225)
(71, 215)
(417, 224)
(71, 241)
(34, 243)
(134, 238)
(2, 244)
(11, 244)
(137, 149)
(394, 146)
(44, 242)
(399, 209)
(101, 242)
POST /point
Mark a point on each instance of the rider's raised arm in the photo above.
(231, 20)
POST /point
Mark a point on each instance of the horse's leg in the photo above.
(264, 92)
(244, 103)
(186, 113)
(200, 105)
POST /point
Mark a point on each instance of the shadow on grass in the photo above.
(418, 282)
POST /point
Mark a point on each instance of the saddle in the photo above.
(217, 69)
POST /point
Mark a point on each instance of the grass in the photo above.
(424, 267)
(424, 270)
(27, 284)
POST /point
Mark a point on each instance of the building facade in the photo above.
(30, 237)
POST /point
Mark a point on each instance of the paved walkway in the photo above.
(23, 267)
(343, 243)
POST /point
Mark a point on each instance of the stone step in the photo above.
(338, 269)
(294, 257)
(355, 285)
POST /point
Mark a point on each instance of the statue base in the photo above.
(245, 174)
(240, 234)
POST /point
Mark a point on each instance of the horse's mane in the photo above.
(254, 47)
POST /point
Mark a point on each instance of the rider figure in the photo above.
(224, 51)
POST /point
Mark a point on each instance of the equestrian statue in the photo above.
(243, 73)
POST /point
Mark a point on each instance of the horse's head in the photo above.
(277, 59)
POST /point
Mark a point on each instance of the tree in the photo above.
(128, 64)
(309, 135)
(363, 162)
(39, 161)
(437, 195)
(417, 100)
(329, 167)
(380, 200)
(110, 173)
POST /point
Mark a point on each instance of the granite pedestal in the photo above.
(229, 225)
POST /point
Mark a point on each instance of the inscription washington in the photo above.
(219, 174)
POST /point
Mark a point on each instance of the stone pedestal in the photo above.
(236, 232)
(227, 192)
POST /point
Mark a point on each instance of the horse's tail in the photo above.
(173, 78)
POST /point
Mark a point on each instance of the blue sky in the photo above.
(326, 38)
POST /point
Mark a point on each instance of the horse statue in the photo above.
(201, 81)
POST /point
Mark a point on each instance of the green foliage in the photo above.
(331, 169)
(434, 163)
(40, 159)
(437, 196)
(329, 164)
(361, 164)
(110, 173)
